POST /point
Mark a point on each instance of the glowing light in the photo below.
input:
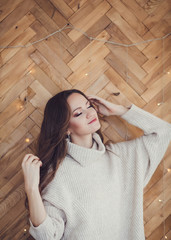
(86, 74)
(160, 200)
(25, 230)
(159, 104)
(168, 72)
(27, 140)
(165, 237)
(169, 170)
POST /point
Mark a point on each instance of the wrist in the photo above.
(119, 110)
(32, 191)
(123, 110)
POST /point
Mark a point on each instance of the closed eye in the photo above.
(78, 114)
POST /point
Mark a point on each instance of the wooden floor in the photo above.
(140, 74)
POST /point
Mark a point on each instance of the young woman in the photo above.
(80, 189)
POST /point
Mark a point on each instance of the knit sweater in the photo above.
(97, 193)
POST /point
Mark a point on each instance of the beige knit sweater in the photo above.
(97, 193)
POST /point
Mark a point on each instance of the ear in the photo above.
(68, 132)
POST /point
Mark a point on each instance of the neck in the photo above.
(84, 141)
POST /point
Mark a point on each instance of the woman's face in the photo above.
(84, 119)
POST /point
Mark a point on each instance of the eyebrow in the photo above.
(80, 107)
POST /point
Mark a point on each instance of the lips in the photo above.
(93, 120)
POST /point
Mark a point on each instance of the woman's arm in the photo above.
(31, 169)
(46, 220)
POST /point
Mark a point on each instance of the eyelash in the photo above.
(77, 115)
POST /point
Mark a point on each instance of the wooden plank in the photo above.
(87, 52)
(84, 11)
(136, 9)
(156, 220)
(13, 70)
(54, 59)
(53, 43)
(88, 20)
(129, 17)
(93, 31)
(123, 55)
(10, 144)
(156, 190)
(165, 111)
(124, 27)
(7, 6)
(150, 211)
(158, 232)
(35, 131)
(16, 231)
(38, 101)
(11, 193)
(120, 67)
(51, 26)
(156, 48)
(152, 106)
(15, 91)
(159, 9)
(76, 4)
(157, 72)
(43, 79)
(118, 37)
(10, 111)
(155, 87)
(13, 214)
(15, 121)
(16, 30)
(22, 39)
(12, 169)
(53, 74)
(21, 10)
(63, 8)
(112, 135)
(93, 75)
(113, 94)
(86, 67)
(124, 87)
(37, 117)
(97, 85)
(155, 62)
(47, 7)
(164, 27)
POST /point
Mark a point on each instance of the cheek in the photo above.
(76, 125)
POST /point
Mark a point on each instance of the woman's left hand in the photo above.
(107, 108)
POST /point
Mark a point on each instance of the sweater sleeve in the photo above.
(147, 151)
(52, 227)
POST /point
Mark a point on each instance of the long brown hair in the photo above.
(51, 145)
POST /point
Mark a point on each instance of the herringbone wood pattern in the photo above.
(30, 76)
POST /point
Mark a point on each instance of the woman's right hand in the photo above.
(31, 170)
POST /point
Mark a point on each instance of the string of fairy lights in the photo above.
(69, 26)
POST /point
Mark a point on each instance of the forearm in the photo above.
(36, 207)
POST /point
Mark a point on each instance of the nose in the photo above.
(89, 113)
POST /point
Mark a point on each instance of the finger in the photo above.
(35, 161)
(31, 159)
(26, 157)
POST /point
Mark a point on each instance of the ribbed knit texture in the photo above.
(97, 193)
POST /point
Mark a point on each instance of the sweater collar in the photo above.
(86, 156)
